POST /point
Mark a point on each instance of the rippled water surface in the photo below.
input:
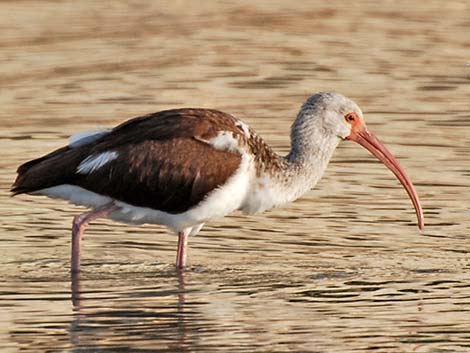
(344, 269)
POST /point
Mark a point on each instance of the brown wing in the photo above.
(161, 161)
(172, 175)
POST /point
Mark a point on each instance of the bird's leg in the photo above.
(78, 228)
(182, 252)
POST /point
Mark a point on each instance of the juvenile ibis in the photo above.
(184, 167)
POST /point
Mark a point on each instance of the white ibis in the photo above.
(183, 167)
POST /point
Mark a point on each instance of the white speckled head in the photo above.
(328, 111)
(321, 124)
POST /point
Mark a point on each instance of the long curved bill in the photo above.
(368, 140)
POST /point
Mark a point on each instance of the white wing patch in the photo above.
(96, 161)
(225, 141)
(84, 138)
(244, 127)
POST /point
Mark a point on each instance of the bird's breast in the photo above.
(265, 193)
(226, 198)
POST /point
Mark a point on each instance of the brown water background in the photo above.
(344, 269)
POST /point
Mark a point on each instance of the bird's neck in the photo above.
(311, 150)
(296, 173)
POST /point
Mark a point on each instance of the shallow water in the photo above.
(344, 269)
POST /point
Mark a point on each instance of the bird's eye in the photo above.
(350, 117)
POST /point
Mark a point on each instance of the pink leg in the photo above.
(78, 228)
(182, 250)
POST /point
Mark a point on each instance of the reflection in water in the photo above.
(142, 325)
(341, 270)
(183, 344)
(76, 290)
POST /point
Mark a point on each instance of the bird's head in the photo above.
(340, 116)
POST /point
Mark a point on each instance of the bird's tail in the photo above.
(52, 169)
